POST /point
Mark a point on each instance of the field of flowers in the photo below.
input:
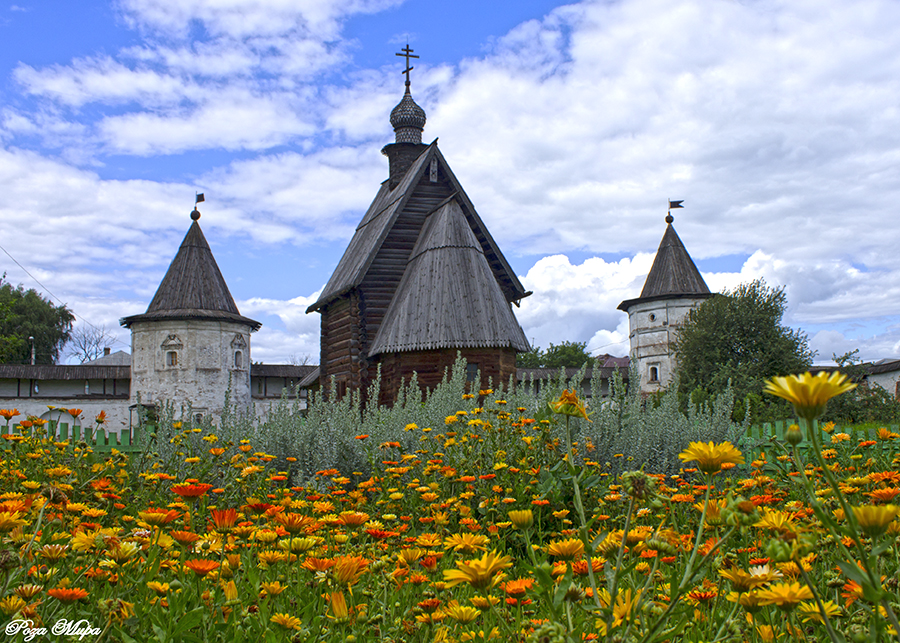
(473, 530)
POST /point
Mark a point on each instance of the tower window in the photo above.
(238, 359)
(654, 373)
(471, 372)
(171, 358)
(652, 317)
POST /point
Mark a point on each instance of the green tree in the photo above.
(867, 402)
(24, 314)
(738, 336)
(567, 354)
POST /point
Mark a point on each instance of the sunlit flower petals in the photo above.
(786, 596)
(710, 457)
(809, 393)
(67, 594)
(874, 520)
(481, 573)
(286, 621)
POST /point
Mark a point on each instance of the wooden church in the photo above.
(421, 280)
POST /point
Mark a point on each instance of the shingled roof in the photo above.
(673, 274)
(448, 296)
(381, 217)
(193, 287)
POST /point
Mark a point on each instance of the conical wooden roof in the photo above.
(193, 287)
(673, 275)
(448, 296)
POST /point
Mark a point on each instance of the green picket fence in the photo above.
(101, 441)
(762, 435)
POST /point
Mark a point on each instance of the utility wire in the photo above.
(64, 304)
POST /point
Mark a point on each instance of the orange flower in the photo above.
(224, 518)
(67, 594)
(201, 566)
(348, 569)
(101, 417)
(293, 523)
(158, 516)
(9, 414)
(184, 537)
(74, 413)
(569, 404)
(186, 490)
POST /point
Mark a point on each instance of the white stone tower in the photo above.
(673, 287)
(192, 344)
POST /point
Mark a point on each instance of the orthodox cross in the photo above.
(407, 53)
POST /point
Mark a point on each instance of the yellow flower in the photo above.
(461, 613)
(874, 520)
(809, 393)
(570, 549)
(469, 543)
(481, 573)
(286, 621)
(339, 607)
(785, 595)
(810, 611)
(710, 457)
(521, 518)
(569, 404)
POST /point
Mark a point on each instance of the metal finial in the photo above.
(195, 214)
(407, 53)
(672, 206)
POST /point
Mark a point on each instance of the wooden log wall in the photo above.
(496, 365)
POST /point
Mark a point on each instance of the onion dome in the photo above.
(408, 120)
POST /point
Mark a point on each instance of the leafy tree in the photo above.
(867, 402)
(567, 354)
(738, 337)
(24, 314)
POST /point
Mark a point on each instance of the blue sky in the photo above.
(569, 125)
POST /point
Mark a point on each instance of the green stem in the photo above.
(579, 508)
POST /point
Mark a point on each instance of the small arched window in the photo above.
(654, 374)
(171, 358)
(238, 359)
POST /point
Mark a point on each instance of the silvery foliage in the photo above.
(630, 431)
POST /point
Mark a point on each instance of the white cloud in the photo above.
(243, 18)
(230, 120)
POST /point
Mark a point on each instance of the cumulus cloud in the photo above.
(569, 133)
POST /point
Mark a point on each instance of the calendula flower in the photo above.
(809, 393)
(461, 613)
(191, 491)
(785, 595)
(158, 516)
(67, 594)
(481, 573)
(569, 404)
(201, 566)
(224, 519)
(9, 414)
(521, 518)
(468, 543)
(809, 611)
(569, 549)
(874, 520)
(286, 621)
(711, 457)
(11, 604)
(348, 569)
(339, 610)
